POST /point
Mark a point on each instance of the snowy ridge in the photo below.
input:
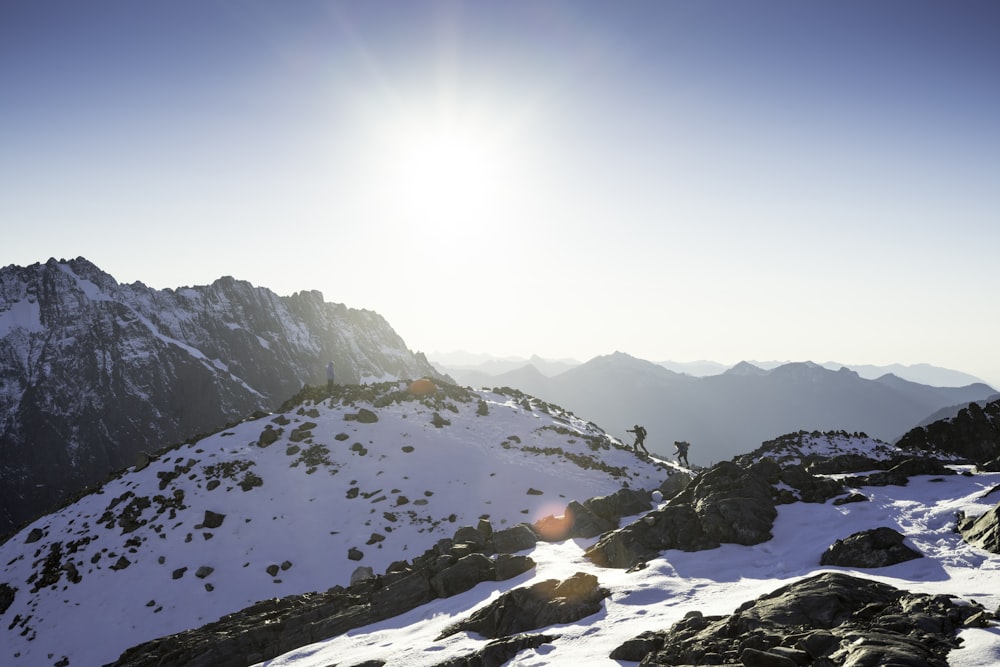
(804, 447)
(277, 506)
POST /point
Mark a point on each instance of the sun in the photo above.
(447, 172)
(450, 173)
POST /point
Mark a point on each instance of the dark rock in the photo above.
(499, 651)
(463, 575)
(879, 547)
(546, 603)
(621, 503)
(7, 593)
(508, 566)
(853, 621)
(403, 594)
(469, 535)
(366, 416)
(852, 498)
(355, 554)
(515, 538)
(982, 531)
(751, 657)
(178, 573)
(585, 523)
(204, 571)
(34, 535)
(212, 520)
(268, 437)
(635, 649)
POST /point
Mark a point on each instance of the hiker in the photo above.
(329, 376)
(682, 452)
(640, 435)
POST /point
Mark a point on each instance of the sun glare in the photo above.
(446, 177)
(446, 172)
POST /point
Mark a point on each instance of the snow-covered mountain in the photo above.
(850, 540)
(291, 503)
(92, 372)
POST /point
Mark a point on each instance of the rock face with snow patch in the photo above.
(93, 373)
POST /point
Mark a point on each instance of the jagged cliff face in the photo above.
(93, 372)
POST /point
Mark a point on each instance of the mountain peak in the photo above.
(745, 368)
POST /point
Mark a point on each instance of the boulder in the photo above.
(515, 538)
(546, 603)
(878, 547)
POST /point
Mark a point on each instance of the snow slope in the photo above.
(712, 582)
(212, 526)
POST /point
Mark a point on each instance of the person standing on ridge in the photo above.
(682, 452)
(640, 436)
(329, 376)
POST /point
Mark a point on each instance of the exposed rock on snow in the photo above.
(828, 619)
(982, 531)
(878, 547)
(540, 605)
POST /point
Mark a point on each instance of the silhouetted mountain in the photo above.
(732, 413)
(94, 372)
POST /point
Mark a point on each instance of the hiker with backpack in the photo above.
(640, 435)
(682, 452)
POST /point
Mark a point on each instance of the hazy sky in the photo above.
(675, 180)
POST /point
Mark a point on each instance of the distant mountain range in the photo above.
(469, 368)
(732, 412)
(93, 372)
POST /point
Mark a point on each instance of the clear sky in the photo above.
(676, 180)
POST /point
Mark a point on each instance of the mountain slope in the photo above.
(639, 603)
(292, 503)
(93, 372)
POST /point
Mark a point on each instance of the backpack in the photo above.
(641, 431)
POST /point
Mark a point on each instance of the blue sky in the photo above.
(676, 180)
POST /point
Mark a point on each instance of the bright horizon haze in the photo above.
(675, 180)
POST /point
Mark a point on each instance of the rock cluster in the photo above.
(825, 620)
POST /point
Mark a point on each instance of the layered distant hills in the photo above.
(93, 372)
(732, 412)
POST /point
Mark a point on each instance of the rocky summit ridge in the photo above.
(93, 372)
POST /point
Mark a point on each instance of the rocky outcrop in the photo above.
(272, 627)
(982, 531)
(725, 504)
(973, 434)
(827, 619)
(878, 547)
(94, 373)
(546, 603)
